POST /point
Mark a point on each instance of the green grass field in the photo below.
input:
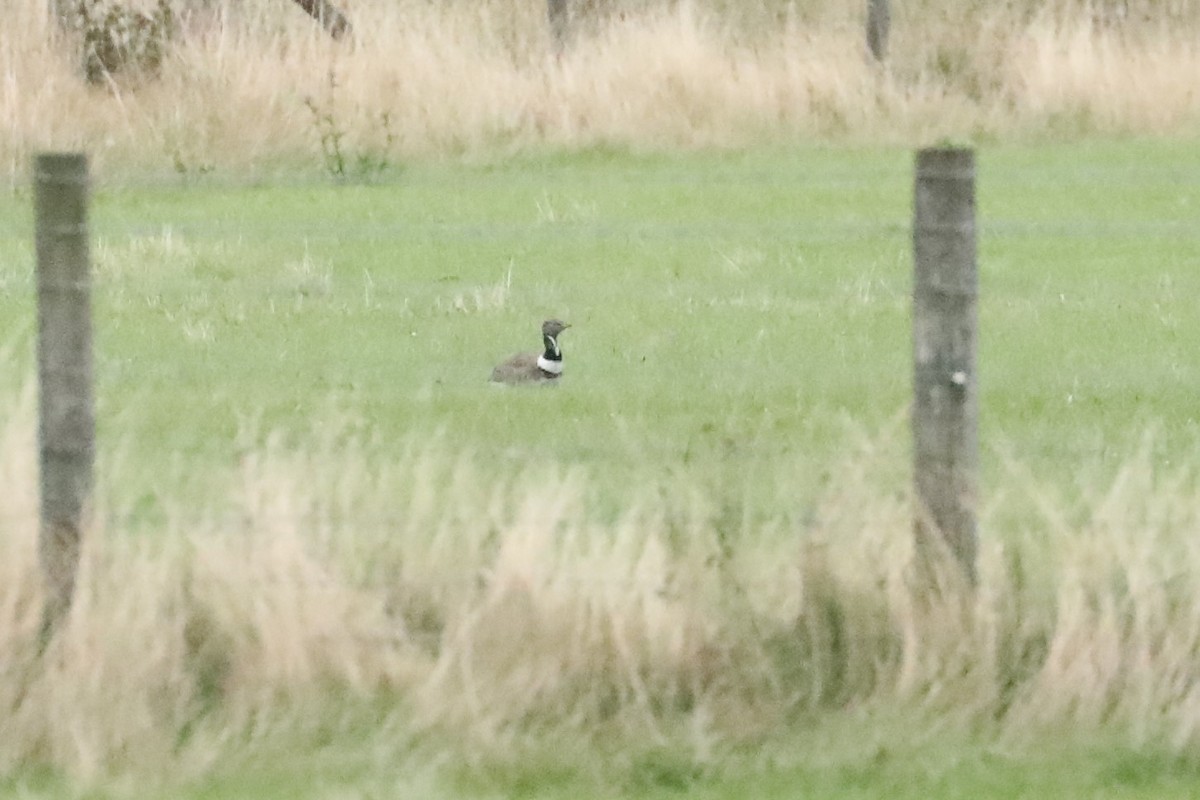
(729, 310)
(741, 332)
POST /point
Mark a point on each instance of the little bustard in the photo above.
(525, 368)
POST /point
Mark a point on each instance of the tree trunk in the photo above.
(558, 15)
(879, 23)
(324, 12)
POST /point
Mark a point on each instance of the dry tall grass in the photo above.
(499, 611)
(259, 87)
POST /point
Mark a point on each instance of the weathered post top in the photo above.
(879, 22)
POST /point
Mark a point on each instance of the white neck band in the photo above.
(546, 365)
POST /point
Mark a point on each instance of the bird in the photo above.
(531, 368)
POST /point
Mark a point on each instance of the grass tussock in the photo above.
(495, 611)
(265, 88)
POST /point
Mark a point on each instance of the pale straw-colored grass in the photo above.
(1106, 80)
(498, 611)
(255, 91)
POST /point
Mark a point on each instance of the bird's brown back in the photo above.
(521, 368)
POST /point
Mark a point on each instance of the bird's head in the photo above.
(553, 327)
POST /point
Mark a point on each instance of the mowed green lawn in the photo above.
(740, 320)
(728, 309)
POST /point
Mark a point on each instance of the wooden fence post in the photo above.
(879, 23)
(66, 426)
(945, 403)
